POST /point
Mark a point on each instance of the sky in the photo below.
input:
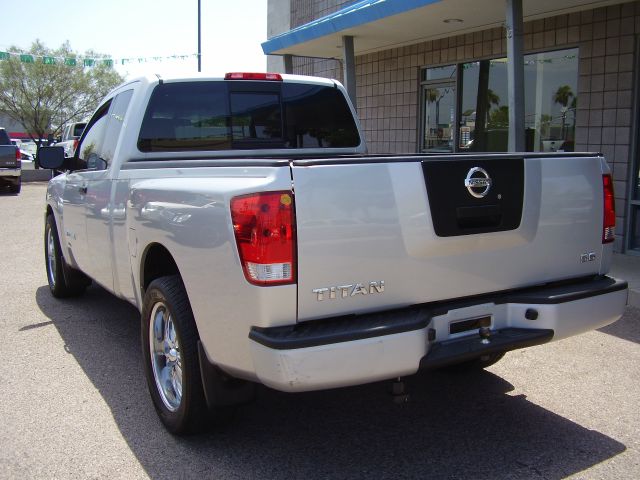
(232, 32)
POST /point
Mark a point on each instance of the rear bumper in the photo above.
(10, 172)
(359, 349)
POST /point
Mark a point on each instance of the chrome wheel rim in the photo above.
(166, 360)
(51, 258)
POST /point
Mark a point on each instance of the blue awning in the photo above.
(354, 15)
(378, 25)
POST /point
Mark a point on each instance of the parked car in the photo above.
(24, 154)
(10, 163)
(70, 136)
(244, 219)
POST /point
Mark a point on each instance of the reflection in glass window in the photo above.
(117, 113)
(550, 82)
(200, 116)
(255, 116)
(90, 155)
(439, 117)
(317, 116)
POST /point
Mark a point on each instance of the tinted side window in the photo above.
(116, 116)
(4, 138)
(90, 148)
(78, 128)
(317, 116)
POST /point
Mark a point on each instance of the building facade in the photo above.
(449, 94)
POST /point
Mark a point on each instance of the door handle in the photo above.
(83, 190)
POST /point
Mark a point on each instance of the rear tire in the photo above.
(170, 355)
(16, 186)
(64, 281)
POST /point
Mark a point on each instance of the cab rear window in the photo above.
(223, 115)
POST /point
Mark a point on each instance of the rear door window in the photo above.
(78, 129)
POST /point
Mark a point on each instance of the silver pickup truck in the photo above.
(244, 219)
(10, 163)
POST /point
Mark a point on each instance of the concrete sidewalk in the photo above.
(627, 267)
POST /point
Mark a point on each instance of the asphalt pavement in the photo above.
(74, 402)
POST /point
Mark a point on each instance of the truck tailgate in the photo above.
(381, 233)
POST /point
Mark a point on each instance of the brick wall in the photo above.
(388, 85)
(304, 11)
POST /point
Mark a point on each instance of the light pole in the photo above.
(199, 40)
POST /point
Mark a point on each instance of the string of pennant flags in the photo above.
(86, 61)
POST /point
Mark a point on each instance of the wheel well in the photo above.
(157, 263)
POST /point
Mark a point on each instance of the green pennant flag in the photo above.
(25, 58)
(48, 60)
(71, 62)
(88, 62)
(107, 63)
(4, 55)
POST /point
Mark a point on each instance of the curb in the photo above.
(39, 175)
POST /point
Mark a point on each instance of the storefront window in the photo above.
(446, 72)
(550, 82)
(439, 117)
(439, 101)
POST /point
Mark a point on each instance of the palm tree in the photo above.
(563, 96)
(434, 95)
(492, 99)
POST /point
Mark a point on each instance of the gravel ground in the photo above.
(74, 402)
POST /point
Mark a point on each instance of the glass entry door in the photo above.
(438, 122)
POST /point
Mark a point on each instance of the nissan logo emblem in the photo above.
(478, 182)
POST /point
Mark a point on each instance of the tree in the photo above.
(562, 97)
(43, 92)
(434, 95)
(499, 118)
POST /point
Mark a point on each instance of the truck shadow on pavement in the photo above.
(455, 426)
(627, 328)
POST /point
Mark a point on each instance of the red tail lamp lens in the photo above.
(609, 222)
(264, 228)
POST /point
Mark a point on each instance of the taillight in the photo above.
(253, 76)
(18, 157)
(264, 227)
(75, 145)
(609, 222)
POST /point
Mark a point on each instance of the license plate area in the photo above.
(470, 324)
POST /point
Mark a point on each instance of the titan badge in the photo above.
(346, 291)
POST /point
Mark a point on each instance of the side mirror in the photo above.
(51, 157)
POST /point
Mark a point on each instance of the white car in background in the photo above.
(70, 136)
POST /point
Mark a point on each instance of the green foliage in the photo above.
(563, 95)
(43, 96)
(499, 118)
